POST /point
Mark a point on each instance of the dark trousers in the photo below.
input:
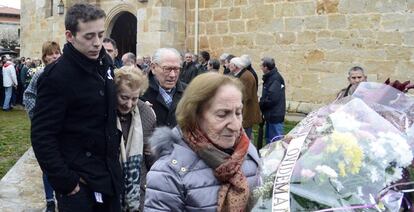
(48, 189)
(85, 201)
(274, 132)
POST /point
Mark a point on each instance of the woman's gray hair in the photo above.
(224, 56)
(238, 62)
(159, 53)
(246, 59)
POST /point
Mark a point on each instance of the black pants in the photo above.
(84, 201)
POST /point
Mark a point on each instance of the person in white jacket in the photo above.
(9, 81)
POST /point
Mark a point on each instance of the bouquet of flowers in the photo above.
(342, 156)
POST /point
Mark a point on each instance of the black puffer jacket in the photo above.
(273, 100)
(74, 131)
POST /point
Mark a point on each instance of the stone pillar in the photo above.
(161, 24)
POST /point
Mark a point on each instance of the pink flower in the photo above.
(307, 173)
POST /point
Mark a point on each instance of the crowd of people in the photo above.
(15, 76)
(137, 133)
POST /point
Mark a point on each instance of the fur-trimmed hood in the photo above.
(163, 139)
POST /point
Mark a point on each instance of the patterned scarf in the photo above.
(234, 191)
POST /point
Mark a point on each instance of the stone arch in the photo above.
(115, 12)
(121, 25)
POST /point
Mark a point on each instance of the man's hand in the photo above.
(76, 190)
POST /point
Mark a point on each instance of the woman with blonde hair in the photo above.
(137, 121)
(207, 162)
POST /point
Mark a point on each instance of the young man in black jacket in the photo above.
(74, 134)
(273, 100)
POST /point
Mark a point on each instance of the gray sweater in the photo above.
(180, 181)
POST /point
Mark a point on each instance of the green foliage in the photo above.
(288, 126)
(14, 138)
(9, 44)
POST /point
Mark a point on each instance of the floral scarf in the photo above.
(234, 191)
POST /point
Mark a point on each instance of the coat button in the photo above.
(183, 169)
(88, 154)
(174, 162)
(101, 92)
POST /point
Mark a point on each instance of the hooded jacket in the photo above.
(180, 181)
(9, 75)
(74, 131)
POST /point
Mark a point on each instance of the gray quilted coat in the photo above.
(180, 181)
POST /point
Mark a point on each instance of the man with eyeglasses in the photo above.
(165, 88)
(355, 75)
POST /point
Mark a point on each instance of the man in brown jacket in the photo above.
(251, 109)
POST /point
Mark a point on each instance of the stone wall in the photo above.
(314, 42)
(37, 26)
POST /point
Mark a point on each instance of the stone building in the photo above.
(9, 23)
(314, 42)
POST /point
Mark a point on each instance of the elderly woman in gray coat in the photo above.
(207, 163)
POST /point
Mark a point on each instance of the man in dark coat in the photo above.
(203, 59)
(189, 69)
(356, 75)
(273, 100)
(74, 134)
(165, 88)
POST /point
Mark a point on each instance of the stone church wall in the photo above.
(314, 42)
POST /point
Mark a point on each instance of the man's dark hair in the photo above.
(205, 55)
(110, 40)
(228, 58)
(269, 63)
(214, 63)
(84, 13)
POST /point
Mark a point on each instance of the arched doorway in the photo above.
(124, 32)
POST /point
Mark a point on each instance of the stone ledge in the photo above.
(21, 189)
(301, 107)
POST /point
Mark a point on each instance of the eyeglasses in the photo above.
(168, 69)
